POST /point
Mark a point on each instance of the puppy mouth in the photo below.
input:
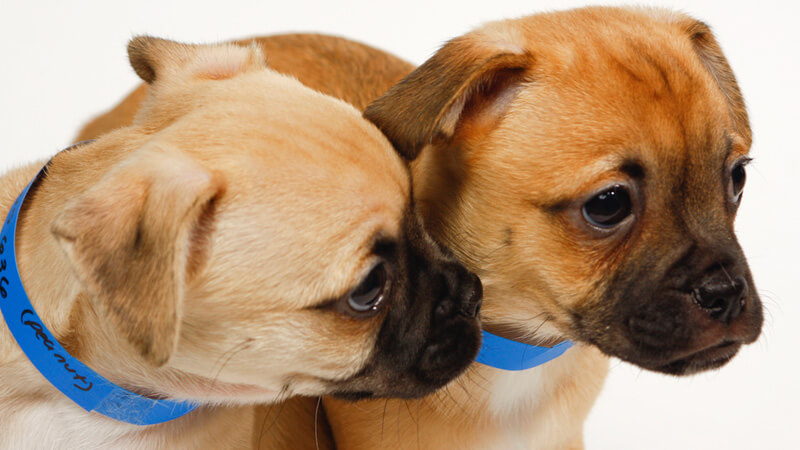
(672, 351)
(668, 332)
(445, 355)
(706, 359)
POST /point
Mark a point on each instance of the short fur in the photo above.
(207, 252)
(520, 123)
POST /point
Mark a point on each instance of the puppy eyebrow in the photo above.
(325, 305)
(728, 145)
(383, 246)
(554, 207)
(630, 167)
(633, 169)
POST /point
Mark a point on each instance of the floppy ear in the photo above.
(710, 53)
(154, 58)
(467, 86)
(130, 239)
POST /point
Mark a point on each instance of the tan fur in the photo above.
(338, 67)
(185, 255)
(506, 119)
(297, 423)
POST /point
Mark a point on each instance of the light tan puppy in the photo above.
(246, 240)
(588, 164)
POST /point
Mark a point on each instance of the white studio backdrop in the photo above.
(63, 62)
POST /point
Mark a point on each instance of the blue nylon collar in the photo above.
(83, 385)
(502, 353)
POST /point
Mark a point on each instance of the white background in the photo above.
(63, 62)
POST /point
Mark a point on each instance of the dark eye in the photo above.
(738, 177)
(373, 289)
(608, 208)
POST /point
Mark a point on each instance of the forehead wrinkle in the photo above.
(612, 42)
(380, 165)
(347, 163)
(663, 66)
(369, 226)
(330, 124)
(693, 186)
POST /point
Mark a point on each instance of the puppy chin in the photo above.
(673, 336)
(707, 359)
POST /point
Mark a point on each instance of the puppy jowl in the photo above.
(620, 169)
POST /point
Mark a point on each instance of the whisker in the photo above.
(230, 354)
(316, 418)
(479, 375)
(397, 422)
(383, 420)
(453, 399)
(533, 333)
(280, 405)
(405, 402)
(411, 416)
(727, 275)
(534, 317)
(419, 408)
(263, 424)
(480, 386)
(461, 383)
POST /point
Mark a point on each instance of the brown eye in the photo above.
(608, 208)
(370, 293)
(738, 178)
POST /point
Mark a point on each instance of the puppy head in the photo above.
(250, 239)
(589, 164)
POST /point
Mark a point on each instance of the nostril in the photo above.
(459, 289)
(470, 308)
(472, 300)
(713, 305)
(723, 301)
(742, 300)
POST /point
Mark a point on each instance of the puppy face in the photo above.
(254, 239)
(615, 141)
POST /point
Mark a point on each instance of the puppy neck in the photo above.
(49, 283)
(18, 299)
(55, 293)
(43, 290)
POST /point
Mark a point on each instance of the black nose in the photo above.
(460, 291)
(722, 300)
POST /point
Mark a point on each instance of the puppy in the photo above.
(246, 240)
(588, 165)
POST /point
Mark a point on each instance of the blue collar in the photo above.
(502, 353)
(77, 381)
